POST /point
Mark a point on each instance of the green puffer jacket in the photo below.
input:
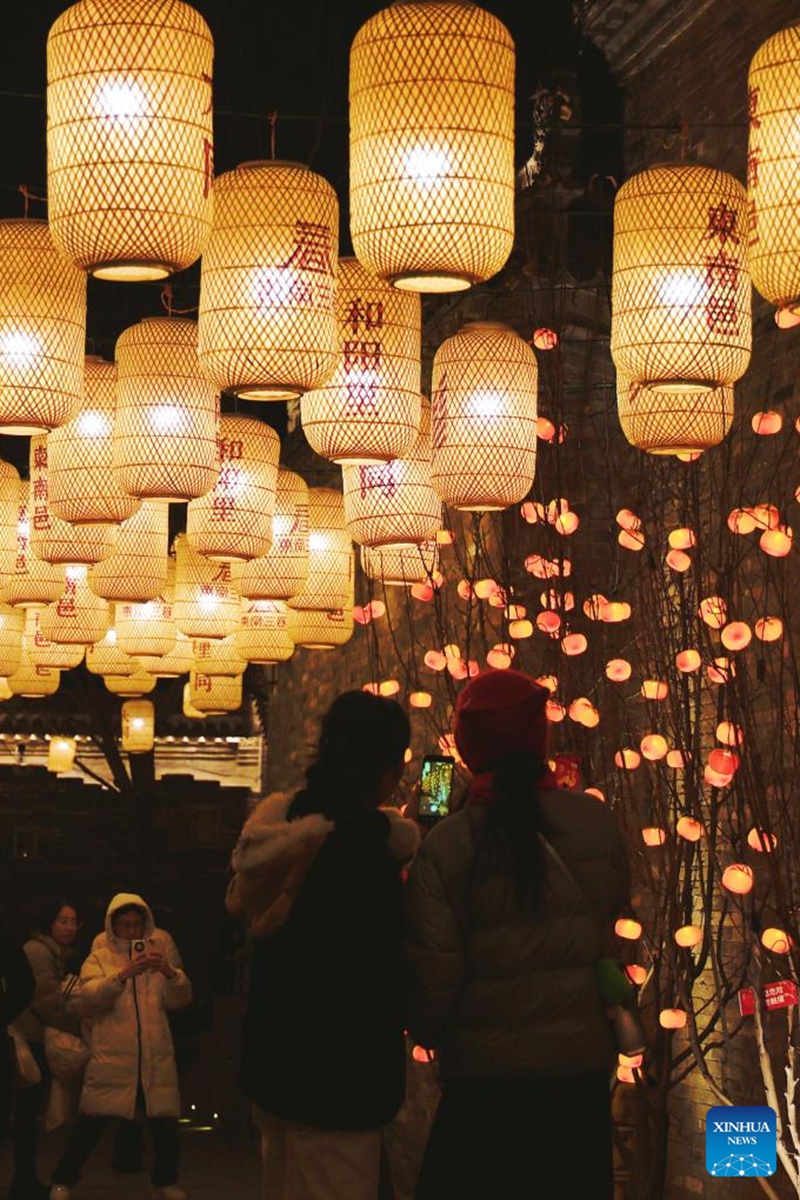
(48, 1006)
(502, 992)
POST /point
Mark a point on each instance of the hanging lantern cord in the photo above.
(27, 196)
(273, 122)
(167, 300)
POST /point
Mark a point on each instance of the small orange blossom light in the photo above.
(690, 829)
(628, 928)
(738, 878)
(688, 936)
(672, 1018)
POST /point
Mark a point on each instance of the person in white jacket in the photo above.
(131, 979)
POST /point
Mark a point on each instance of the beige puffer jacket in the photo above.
(129, 1033)
(499, 992)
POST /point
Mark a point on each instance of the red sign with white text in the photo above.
(781, 994)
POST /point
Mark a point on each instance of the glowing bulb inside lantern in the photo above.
(92, 423)
(317, 541)
(682, 289)
(137, 723)
(426, 164)
(485, 405)
(166, 418)
(276, 287)
(21, 347)
(207, 601)
(118, 98)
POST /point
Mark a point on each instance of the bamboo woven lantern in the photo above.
(166, 422)
(432, 145)
(138, 719)
(136, 571)
(81, 485)
(401, 566)
(178, 661)
(42, 652)
(206, 599)
(484, 418)
(330, 570)
(145, 630)
(772, 189)
(369, 410)
(214, 694)
(283, 570)
(217, 656)
(12, 627)
(234, 519)
(31, 681)
(129, 136)
(61, 754)
(267, 316)
(137, 684)
(53, 540)
(321, 629)
(9, 517)
(673, 422)
(263, 635)
(42, 330)
(106, 658)
(78, 617)
(32, 582)
(680, 289)
(394, 503)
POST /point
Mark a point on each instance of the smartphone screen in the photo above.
(436, 782)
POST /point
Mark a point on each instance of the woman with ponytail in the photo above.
(509, 906)
(317, 878)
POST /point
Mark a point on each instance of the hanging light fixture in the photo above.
(267, 317)
(41, 652)
(106, 658)
(394, 503)
(207, 601)
(9, 518)
(82, 488)
(673, 422)
(12, 627)
(78, 617)
(217, 656)
(322, 629)
(680, 289)
(330, 572)
(263, 635)
(166, 421)
(432, 145)
(283, 570)
(129, 136)
(369, 410)
(145, 630)
(32, 582)
(234, 519)
(53, 540)
(136, 570)
(773, 231)
(139, 683)
(31, 681)
(138, 718)
(61, 754)
(214, 694)
(42, 330)
(177, 661)
(484, 418)
(401, 566)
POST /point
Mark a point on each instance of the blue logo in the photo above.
(741, 1142)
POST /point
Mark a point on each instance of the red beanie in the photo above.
(497, 713)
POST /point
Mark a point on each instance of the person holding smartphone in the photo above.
(131, 979)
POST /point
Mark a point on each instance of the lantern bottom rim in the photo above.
(432, 281)
(681, 387)
(266, 392)
(316, 646)
(361, 460)
(666, 451)
(11, 429)
(132, 271)
(480, 508)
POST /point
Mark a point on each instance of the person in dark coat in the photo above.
(16, 992)
(318, 879)
(509, 905)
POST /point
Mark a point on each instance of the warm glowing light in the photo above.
(724, 762)
(688, 936)
(738, 878)
(420, 699)
(520, 629)
(769, 629)
(776, 940)
(628, 520)
(435, 660)
(627, 759)
(583, 712)
(741, 520)
(682, 539)
(631, 539)
(736, 635)
(776, 542)
(729, 733)
(688, 661)
(716, 779)
(389, 687)
(550, 682)
(677, 759)
(548, 622)
(618, 669)
(554, 711)
(655, 689)
(653, 836)
(515, 612)
(678, 560)
(721, 670)
(464, 589)
(444, 537)
(636, 973)
(690, 829)
(545, 429)
(672, 1018)
(628, 928)
(566, 523)
(484, 588)
(654, 747)
(714, 611)
(545, 339)
(761, 841)
(574, 643)
(598, 795)
(625, 1074)
(593, 606)
(766, 423)
(500, 657)
(766, 516)
(615, 611)
(422, 591)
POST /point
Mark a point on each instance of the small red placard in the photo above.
(781, 994)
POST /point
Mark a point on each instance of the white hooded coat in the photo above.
(130, 1038)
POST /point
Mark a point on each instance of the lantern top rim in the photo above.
(490, 326)
(251, 163)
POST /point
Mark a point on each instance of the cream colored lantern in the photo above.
(78, 617)
(234, 519)
(267, 317)
(138, 719)
(42, 330)
(680, 290)
(41, 652)
(394, 503)
(432, 145)
(61, 754)
(137, 569)
(283, 570)
(52, 539)
(31, 681)
(263, 635)
(129, 136)
(81, 485)
(9, 518)
(217, 656)
(107, 658)
(206, 598)
(12, 627)
(214, 694)
(330, 572)
(32, 582)
(773, 227)
(484, 418)
(369, 410)
(673, 422)
(177, 661)
(145, 630)
(166, 421)
(401, 566)
(321, 629)
(139, 683)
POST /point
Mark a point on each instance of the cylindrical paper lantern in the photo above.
(52, 539)
(41, 652)
(673, 422)
(78, 617)
(321, 629)
(406, 566)
(81, 484)
(394, 503)
(61, 754)
(12, 627)
(267, 317)
(206, 600)
(432, 145)
(330, 570)
(32, 681)
(283, 570)
(145, 630)
(484, 418)
(136, 570)
(32, 582)
(138, 726)
(139, 683)
(106, 658)
(42, 330)
(211, 694)
(263, 635)
(129, 136)
(680, 289)
(9, 517)
(369, 410)
(217, 656)
(234, 519)
(165, 425)
(773, 229)
(177, 661)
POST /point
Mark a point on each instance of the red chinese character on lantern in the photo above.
(753, 160)
(41, 517)
(312, 248)
(20, 565)
(66, 605)
(223, 574)
(366, 312)
(722, 223)
(752, 108)
(361, 361)
(202, 649)
(40, 456)
(208, 167)
(40, 489)
(300, 522)
(222, 508)
(383, 477)
(439, 413)
(752, 221)
(230, 448)
(202, 683)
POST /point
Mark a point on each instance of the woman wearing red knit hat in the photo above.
(509, 906)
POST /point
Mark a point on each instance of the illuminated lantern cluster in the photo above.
(321, 629)
(106, 658)
(136, 570)
(264, 634)
(207, 602)
(41, 652)
(145, 630)
(677, 422)
(33, 681)
(53, 540)
(12, 627)
(33, 582)
(217, 656)
(402, 567)
(214, 694)
(329, 584)
(138, 683)
(282, 572)
(78, 617)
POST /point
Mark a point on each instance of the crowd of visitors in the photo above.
(480, 935)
